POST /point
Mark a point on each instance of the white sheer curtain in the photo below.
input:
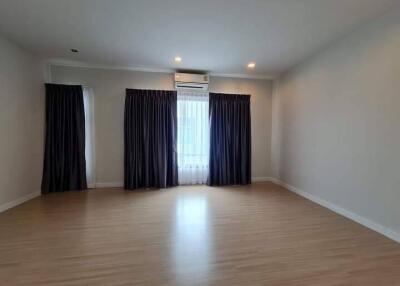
(193, 137)
(89, 136)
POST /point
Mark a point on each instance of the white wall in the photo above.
(338, 124)
(109, 93)
(21, 124)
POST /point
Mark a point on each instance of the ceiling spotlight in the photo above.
(178, 59)
(251, 65)
(74, 50)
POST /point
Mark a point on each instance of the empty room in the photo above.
(194, 143)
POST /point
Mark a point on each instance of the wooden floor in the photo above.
(257, 235)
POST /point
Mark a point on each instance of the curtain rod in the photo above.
(70, 83)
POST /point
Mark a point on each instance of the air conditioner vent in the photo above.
(191, 81)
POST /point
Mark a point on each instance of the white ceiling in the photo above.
(219, 36)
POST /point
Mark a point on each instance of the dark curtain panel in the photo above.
(150, 139)
(64, 159)
(230, 140)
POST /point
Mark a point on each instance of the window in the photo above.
(193, 137)
(89, 136)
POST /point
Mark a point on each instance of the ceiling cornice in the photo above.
(248, 76)
(77, 64)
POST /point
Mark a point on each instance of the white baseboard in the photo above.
(121, 184)
(109, 185)
(344, 212)
(19, 201)
(262, 179)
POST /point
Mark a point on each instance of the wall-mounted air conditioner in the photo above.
(191, 81)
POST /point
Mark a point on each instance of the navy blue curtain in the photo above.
(150, 127)
(230, 140)
(64, 159)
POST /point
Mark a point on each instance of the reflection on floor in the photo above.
(252, 235)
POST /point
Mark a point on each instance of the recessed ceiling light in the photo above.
(74, 50)
(251, 65)
(178, 59)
